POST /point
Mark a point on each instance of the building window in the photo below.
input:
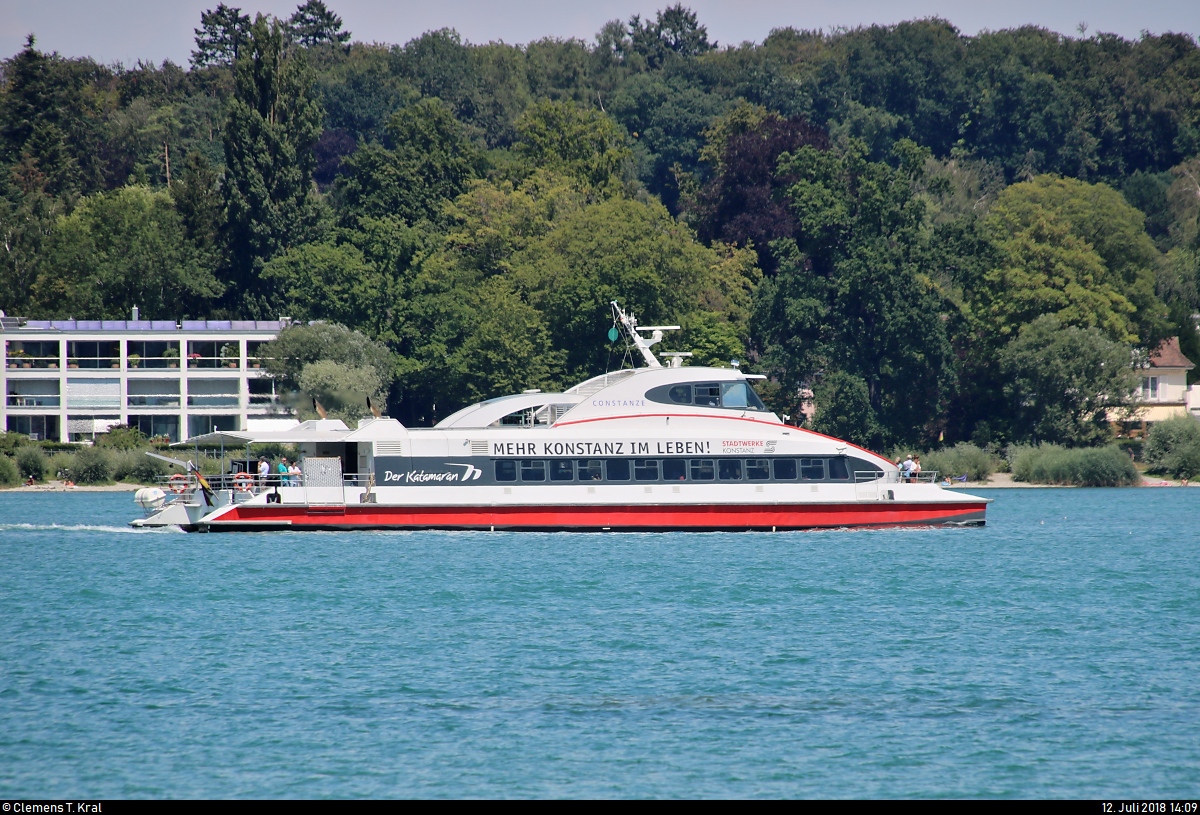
(22, 354)
(30, 393)
(213, 393)
(142, 354)
(1149, 388)
(37, 428)
(103, 354)
(87, 428)
(200, 425)
(94, 394)
(158, 428)
(153, 393)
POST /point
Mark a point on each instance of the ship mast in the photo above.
(629, 323)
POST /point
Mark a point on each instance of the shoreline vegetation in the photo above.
(917, 249)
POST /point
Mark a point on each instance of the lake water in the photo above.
(1055, 652)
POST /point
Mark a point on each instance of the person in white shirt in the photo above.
(264, 472)
(906, 469)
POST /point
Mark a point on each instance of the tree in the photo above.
(273, 124)
(745, 199)
(328, 281)
(122, 249)
(219, 39)
(431, 161)
(853, 293)
(333, 364)
(1063, 382)
(314, 24)
(843, 409)
(675, 32)
(565, 138)
(1077, 250)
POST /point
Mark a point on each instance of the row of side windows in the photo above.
(672, 469)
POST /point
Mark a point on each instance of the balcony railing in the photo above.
(32, 362)
(213, 400)
(93, 362)
(33, 401)
(150, 400)
(152, 362)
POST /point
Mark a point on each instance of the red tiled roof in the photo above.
(1168, 355)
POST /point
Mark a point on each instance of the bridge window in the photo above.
(680, 394)
(708, 395)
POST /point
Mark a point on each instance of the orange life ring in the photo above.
(178, 483)
(244, 482)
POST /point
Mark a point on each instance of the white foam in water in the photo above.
(124, 530)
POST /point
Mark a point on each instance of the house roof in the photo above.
(1168, 355)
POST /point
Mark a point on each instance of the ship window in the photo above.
(729, 469)
(708, 395)
(618, 469)
(680, 394)
(837, 469)
(645, 469)
(590, 470)
(702, 469)
(674, 469)
(758, 469)
(785, 469)
(506, 471)
(533, 469)
(739, 394)
(562, 469)
(813, 469)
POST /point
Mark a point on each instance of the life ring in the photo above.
(178, 483)
(244, 482)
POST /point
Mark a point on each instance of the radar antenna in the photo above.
(630, 328)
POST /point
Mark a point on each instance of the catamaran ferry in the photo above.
(654, 448)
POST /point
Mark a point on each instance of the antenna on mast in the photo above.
(643, 344)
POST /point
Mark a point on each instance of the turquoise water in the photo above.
(1055, 652)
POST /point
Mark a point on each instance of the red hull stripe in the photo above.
(661, 517)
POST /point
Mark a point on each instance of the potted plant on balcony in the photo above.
(230, 354)
(134, 361)
(14, 357)
(171, 355)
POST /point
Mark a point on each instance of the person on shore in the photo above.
(29, 482)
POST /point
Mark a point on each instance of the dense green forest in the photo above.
(946, 237)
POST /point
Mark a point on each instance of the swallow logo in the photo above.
(472, 472)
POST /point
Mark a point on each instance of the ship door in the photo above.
(323, 481)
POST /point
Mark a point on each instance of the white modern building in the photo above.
(68, 380)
